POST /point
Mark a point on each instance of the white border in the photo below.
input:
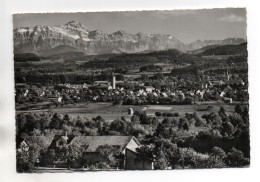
(7, 129)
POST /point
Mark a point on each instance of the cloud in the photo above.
(160, 14)
(167, 13)
(232, 18)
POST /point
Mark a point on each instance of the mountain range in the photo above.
(77, 38)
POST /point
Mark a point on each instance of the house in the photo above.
(56, 99)
(217, 82)
(164, 95)
(120, 83)
(92, 143)
(149, 89)
(59, 99)
(235, 82)
(102, 85)
(130, 111)
(228, 100)
(109, 87)
(23, 146)
(99, 83)
(222, 94)
(227, 89)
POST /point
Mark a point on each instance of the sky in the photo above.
(185, 25)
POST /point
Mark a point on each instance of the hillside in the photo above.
(26, 57)
(58, 50)
(141, 59)
(240, 49)
(198, 44)
(198, 51)
(68, 55)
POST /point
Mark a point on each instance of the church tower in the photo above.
(114, 82)
(227, 75)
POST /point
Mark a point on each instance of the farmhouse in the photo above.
(149, 89)
(99, 83)
(127, 145)
(228, 100)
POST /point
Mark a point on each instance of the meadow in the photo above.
(109, 112)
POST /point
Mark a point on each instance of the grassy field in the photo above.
(110, 112)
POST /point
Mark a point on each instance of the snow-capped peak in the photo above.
(75, 24)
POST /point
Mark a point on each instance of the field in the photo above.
(110, 112)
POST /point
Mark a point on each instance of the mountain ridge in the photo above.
(75, 34)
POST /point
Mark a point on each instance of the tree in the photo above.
(20, 121)
(23, 162)
(161, 161)
(166, 149)
(236, 120)
(187, 158)
(227, 129)
(222, 112)
(213, 119)
(56, 122)
(79, 123)
(145, 152)
(142, 117)
(135, 119)
(217, 158)
(111, 154)
(99, 119)
(159, 76)
(66, 119)
(198, 120)
(144, 77)
(102, 166)
(158, 114)
(186, 126)
(75, 152)
(161, 131)
(245, 115)
(205, 135)
(31, 122)
(183, 124)
(236, 158)
(118, 125)
(155, 122)
(27, 156)
(137, 130)
(238, 109)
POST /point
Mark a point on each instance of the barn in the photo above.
(127, 145)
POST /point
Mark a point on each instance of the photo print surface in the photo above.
(131, 90)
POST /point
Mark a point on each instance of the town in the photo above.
(162, 110)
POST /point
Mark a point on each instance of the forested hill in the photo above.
(141, 59)
(26, 57)
(68, 55)
(226, 50)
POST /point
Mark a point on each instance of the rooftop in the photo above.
(93, 142)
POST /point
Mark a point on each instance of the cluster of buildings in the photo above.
(104, 91)
(127, 147)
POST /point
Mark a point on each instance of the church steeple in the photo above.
(227, 74)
